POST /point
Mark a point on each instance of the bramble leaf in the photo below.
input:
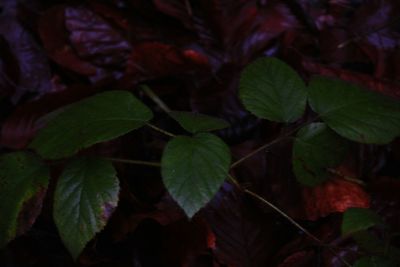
(358, 219)
(85, 197)
(23, 185)
(354, 113)
(92, 120)
(272, 90)
(194, 122)
(317, 148)
(194, 168)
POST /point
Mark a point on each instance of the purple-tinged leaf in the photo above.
(23, 180)
(94, 39)
(34, 72)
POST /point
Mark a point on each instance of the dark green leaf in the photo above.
(375, 246)
(358, 219)
(85, 197)
(317, 148)
(374, 262)
(194, 122)
(23, 185)
(193, 169)
(272, 90)
(96, 119)
(354, 113)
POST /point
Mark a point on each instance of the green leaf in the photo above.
(93, 120)
(23, 186)
(376, 246)
(85, 197)
(354, 113)
(317, 148)
(272, 90)
(359, 219)
(374, 262)
(193, 169)
(194, 122)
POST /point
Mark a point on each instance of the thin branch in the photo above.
(265, 146)
(155, 98)
(136, 162)
(287, 217)
(298, 226)
(348, 178)
(160, 130)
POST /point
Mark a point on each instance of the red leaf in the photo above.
(94, 39)
(378, 85)
(80, 40)
(335, 195)
(55, 40)
(20, 127)
(157, 60)
(243, 237)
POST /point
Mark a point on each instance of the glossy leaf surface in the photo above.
(96, 119)
(85, 197)
(23, 185)
(194, 168)
(272, 90)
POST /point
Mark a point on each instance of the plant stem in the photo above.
(136, 162)
(160, 130)
(265, 146)
(287, 217)
(155, 98)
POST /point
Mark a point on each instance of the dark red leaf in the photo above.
(335, 195)
(157, 60)
(82, 41)
(378, 85)
(244, 238)
(94, 39)
(183, 241)
(165, 212)
(179, 9)
(55, 40)
(20, 127)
